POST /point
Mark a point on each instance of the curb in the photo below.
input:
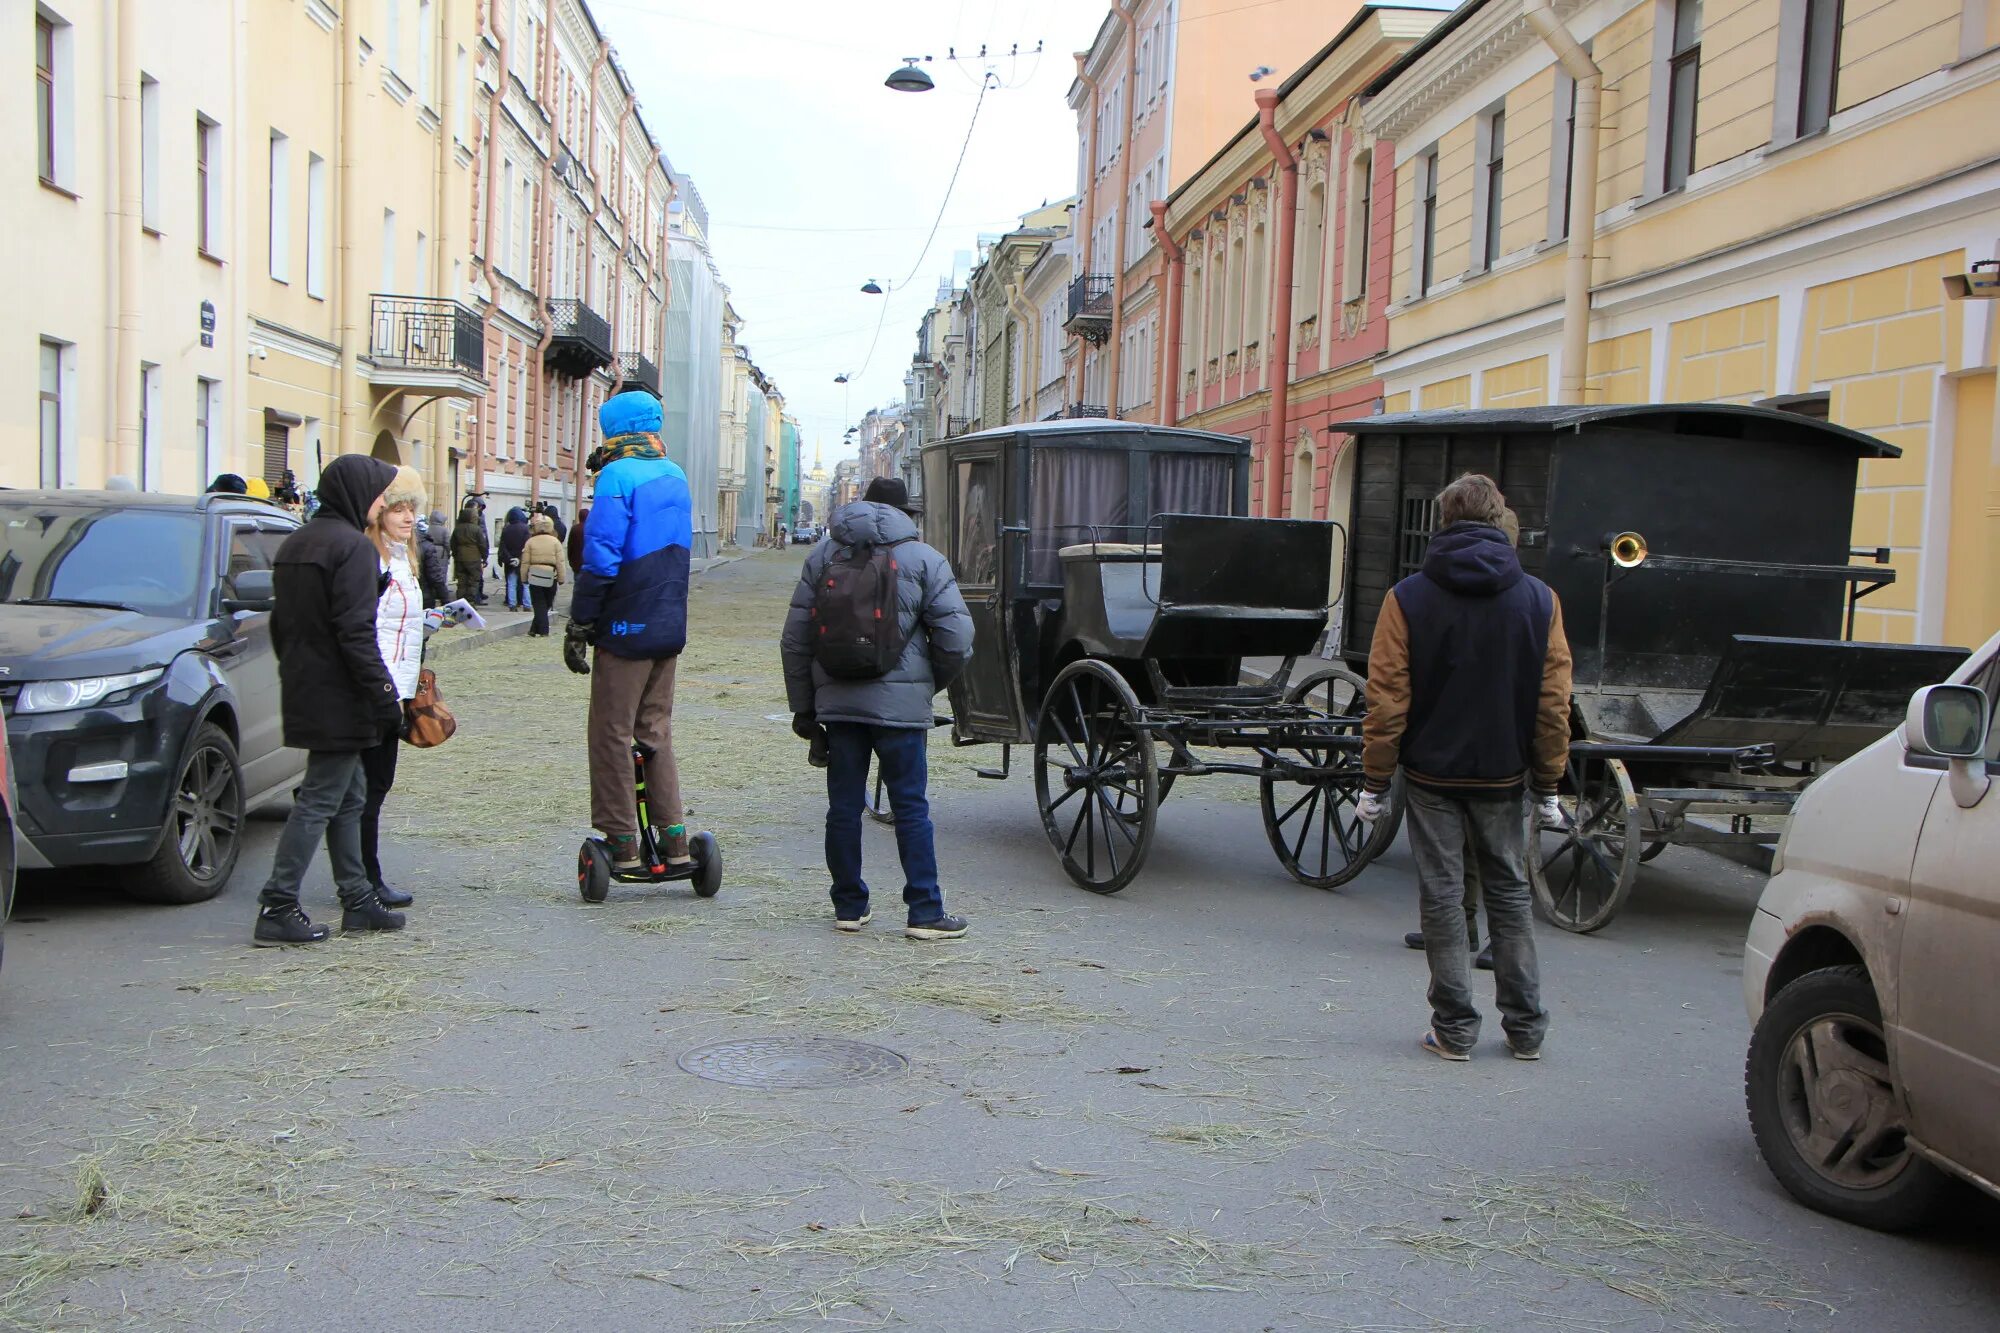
(465, 643)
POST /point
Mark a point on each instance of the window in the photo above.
(281, 207)
(149, 153)
(1683, 89)
(505, 258)
(1360, 221)
(1257, 290)
(524, 228)
(1491, 181)
(422, 284)
(1232, 315)
(392, 36)
(461, 93)
(1819, 73)
(388, 251)
(207, 185)
(206, 405)
(52, 414)
(426, 76)
(1311, 244)
(1427, 200)
(149, 426)
(45, 98)
(1563, 167)
(316, 226)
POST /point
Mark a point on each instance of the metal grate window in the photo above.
(1419, 521)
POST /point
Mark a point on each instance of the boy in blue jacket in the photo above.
(630, 605)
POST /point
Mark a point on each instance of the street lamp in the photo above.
(840, 378)
(871, 288)
(909, 79)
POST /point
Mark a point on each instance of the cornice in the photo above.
(1487, 40)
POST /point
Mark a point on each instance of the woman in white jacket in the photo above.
(399, 628)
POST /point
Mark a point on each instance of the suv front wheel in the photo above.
(1825, 1109)
(199, 846)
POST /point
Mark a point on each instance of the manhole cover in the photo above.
(792, 1062)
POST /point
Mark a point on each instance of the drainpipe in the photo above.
(1170, 374)
(346, 179)
(1031, 350)
(544, 251)
(1279, 358)
(124, 211)
(1576, 62)
(1123, 11)
(1087, 194)
(492, 132)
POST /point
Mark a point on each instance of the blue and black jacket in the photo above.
(633, 586)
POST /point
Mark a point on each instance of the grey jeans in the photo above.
(1444, 830)
(330, 800)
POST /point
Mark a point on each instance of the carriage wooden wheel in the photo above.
(1582, 872)
(1096, 776)
(1311, 822)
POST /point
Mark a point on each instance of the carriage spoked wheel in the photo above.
(1583, 872)
(1312, 824)
(1097, 776)
(875, 798)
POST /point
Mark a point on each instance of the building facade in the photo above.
(1782, 189)
(691, 373)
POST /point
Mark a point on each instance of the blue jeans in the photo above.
(900, 751)
(517, 590)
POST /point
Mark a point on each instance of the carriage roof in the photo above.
(1063, 431)
(1724, 419)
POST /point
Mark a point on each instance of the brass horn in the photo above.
(1628, 549)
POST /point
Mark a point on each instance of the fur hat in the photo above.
(406, 489)
(541, 523)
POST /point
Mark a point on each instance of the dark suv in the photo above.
(140, 689)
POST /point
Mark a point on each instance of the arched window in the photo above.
(1311, 245)
(1302, 477)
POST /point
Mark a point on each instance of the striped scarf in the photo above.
(639, 444)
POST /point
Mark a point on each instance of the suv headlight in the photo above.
(54, 696)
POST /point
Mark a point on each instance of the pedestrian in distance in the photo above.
(228, 483)
(468, 553)
(399, 634)
(628, 625)
(555, 518)
(336, 698)
(542, 571)
(1468, 690)
(573, 544)
(513, 540)
(434, 560)
(870, 694)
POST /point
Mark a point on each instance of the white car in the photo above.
(1872, 970)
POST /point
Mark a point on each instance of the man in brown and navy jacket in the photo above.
(1468, 690)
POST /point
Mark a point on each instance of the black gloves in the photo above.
(804, 727)
(577, 638)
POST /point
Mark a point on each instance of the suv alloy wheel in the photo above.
(199, 846)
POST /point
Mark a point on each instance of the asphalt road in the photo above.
(1196, 1105)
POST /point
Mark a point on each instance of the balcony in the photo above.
(957, 425)
(640, 373)
(1074, 411)
(581, 341)
(1090, 296)
(425, 343)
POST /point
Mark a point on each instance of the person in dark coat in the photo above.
(573, 545)
(562, 528)
(513, 539)
(434, 560)
(228, 483)
(336, 699)
(469, 549)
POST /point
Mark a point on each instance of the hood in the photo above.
(53, 642)
(867, 523)
(632, 412)
(517, 515)
(1472, 558)
(350, 485)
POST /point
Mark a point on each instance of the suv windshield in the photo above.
(142, 559)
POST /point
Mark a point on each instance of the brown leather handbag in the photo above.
(431, 723)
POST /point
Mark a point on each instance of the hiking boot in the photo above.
(393, 897)
(285, 925)
(853, 923)
(944, 928)
(1413, 939)
(624, 849)
(1442, 1051)
(369, 914)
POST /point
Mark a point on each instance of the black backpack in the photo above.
(856, 620)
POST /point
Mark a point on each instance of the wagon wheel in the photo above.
(1312, 825)
(1583, 872)
(1096, 776)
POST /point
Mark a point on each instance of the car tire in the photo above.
(207, 798)
(1818, 1070)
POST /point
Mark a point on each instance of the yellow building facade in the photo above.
(1782, 189)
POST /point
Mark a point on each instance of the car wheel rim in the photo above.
(1839, 1104)
(205, 815)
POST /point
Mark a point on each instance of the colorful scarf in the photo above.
(639, 444)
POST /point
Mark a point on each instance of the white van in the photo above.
(1872, 970)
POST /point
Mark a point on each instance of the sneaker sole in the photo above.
(933, 933)
(1430, 1043)
(1524, 1055)
(852, 926)
(284, 944)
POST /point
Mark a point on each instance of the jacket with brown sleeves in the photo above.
(1469, 674)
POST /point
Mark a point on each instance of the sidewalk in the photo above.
(503, 624)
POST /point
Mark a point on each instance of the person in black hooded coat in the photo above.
(513, 540)
(336, 698)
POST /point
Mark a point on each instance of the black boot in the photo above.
(285, 925)
(393, 897)
(370, 914)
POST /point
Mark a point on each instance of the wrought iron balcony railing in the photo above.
(1075, 410)
(1090, 296)
(581, 341)
(425, 333)
(640, 373)
(957, 425)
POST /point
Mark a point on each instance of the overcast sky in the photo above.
(817, 177)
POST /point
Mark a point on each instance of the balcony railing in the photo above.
(957, 425)
(1090, 298)
(581, 341)
(1075, 410)
(640, 373)
(425, 333)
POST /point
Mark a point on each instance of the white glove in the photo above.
(1371, 807)
(1549, 811)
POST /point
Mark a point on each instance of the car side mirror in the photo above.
(1950, 722)
(255, 591)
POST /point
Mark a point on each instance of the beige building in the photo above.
(1782, 189)
(125, 259)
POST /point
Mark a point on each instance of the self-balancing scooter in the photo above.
(594, 870)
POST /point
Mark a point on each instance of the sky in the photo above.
(817, 178)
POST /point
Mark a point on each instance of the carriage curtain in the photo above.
(1190, 484)
(1077, 495)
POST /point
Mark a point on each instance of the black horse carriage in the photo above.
(1115, 587)
(1701, 553)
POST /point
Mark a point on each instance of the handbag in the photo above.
(431, 723)
(541, 576)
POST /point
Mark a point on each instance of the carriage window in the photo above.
(1419, 521)
(1190, 484)
(978, 522)
(1079, 495)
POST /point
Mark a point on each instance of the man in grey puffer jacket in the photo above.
(888, 717)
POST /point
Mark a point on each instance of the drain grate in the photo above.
(793, 1062)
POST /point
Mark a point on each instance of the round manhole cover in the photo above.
(793, 1062)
